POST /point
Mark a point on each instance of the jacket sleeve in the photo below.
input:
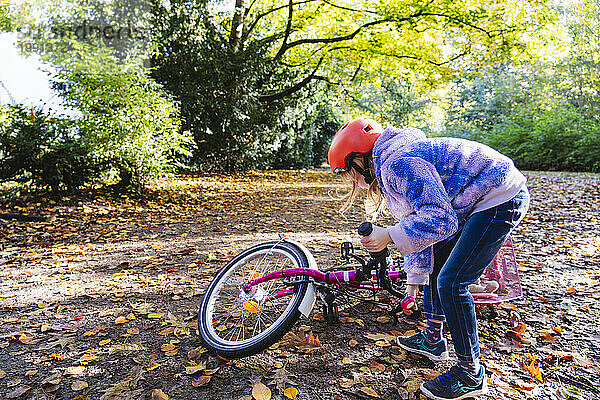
(434, 218)
(418, 266)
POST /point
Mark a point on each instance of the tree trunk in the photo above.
(238, 25)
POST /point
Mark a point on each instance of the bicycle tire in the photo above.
(250, 305)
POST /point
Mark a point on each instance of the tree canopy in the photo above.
(266, 83)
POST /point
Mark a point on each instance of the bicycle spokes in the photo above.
(241, 313)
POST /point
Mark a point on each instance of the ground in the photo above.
(100, 300)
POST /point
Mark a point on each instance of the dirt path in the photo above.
(99, 302)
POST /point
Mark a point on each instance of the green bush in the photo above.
(130, 125)
(559, 139)
(42, 150)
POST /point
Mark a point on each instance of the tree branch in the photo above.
(262, 15)
(355, 74)
(294, 88)
(458, 20)
(288, 29)
(437, 64)
(285, 47)
(349, 9)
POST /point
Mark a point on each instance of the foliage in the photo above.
(556, 139)
(386, 98)
(543, 115)
(220, 94)
(129, 123)
(37, 148)
(304, 135)
(266, 60)
(526, 115)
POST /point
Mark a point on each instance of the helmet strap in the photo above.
(365, 172)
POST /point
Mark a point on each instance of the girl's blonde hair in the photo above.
(374, 198)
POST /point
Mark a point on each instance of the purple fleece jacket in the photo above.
(431, 186)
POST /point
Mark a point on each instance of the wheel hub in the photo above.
(255, 293)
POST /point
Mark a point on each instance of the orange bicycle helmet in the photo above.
(355, 138)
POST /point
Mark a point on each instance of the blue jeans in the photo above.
(459, 261)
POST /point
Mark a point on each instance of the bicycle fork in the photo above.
(330, 308)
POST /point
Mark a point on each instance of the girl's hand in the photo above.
(377, 240)
(412, 291)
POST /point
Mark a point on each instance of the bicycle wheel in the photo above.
(235, 323)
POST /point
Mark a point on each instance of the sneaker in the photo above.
(456, 384)
(418, 343)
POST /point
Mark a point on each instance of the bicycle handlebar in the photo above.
(408, 302)
(365, 229)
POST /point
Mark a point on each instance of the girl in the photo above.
(455, 202)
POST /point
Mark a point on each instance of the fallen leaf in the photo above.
(346, 361)
(103, 342)
(31, 372)
(346, 383)
(261, 392)
(429, 373)
(290, 392)
(53, 379)
(282, 378)
(376, 367)
(167, 347)
(369, 392)
(403, 393)
(152, 366)
(28, 338)
(167, 331)
(158, 394)
(525, 385)
(494, 367)
(520, 328)
(201, 381)
(251, 306)
(379, 336)
(2, 374)
(156, 315)
(14, 382)
(75, 371)
(558, 330)
(195, 368)
(78, 385)
(383, 319)
(382, 343)
(18, 392)
(547, 336)
(196, 353)
(352, 343)
(412, 385)
(531, 365)
(120, 320)
(87, 358)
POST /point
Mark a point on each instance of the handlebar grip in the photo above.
(408, 302)
(365, 229)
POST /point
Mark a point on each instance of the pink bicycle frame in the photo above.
(347, 278)
(504, 265)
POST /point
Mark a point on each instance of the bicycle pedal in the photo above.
(394, 313)
(330, 313)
